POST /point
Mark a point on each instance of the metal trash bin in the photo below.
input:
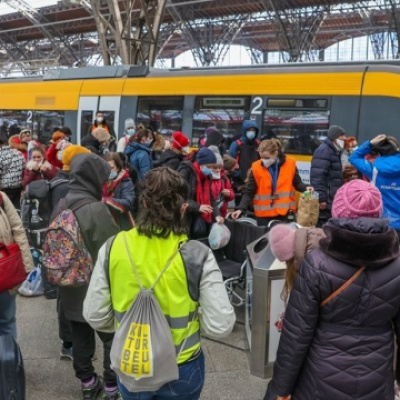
(264, 306)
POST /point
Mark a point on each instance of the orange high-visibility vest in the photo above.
(268, 204)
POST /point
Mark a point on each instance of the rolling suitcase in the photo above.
(12, 374)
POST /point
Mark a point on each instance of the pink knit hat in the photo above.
(281, 239)
(357, 199)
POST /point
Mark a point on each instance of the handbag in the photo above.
(12, 269)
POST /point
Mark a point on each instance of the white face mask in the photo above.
(340, 143)
(185, 149)
(99, 119)
(215, 174)
(59, 154)
(267, 163)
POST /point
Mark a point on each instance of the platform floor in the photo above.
(49, 378)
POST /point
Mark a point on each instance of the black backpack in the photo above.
(36, 209)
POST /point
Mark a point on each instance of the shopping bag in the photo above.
(308, 209)
(219, 236)
(12, 270)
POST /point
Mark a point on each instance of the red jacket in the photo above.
(217, 186)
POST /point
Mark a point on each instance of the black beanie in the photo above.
(335, 131)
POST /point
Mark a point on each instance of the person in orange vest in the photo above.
(272, 183)
(100, 122)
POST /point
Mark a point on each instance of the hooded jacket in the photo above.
(91, 143)
(170, 159)
(326, 172)
(343, 350)
(87, 174)
(247, 152)
(139, 157)
(12, 165)
(387, 170)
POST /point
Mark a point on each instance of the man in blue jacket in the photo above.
(326, 170)
(245, 152)
(384, 172)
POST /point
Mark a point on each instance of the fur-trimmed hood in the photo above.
(364, 241)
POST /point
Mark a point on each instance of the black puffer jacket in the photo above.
(345, 349)
(326, 172)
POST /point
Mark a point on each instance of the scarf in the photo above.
(110, 186)
(203, 191)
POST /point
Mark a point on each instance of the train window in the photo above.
(300, 131)
(163, 114)
(225, 113)
(308, 104)
(41, 123)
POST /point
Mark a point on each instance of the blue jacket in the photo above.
(326, 172)
(139, 157)
(234, 147)
(387, 180)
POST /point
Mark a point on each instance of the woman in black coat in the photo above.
(344, 349)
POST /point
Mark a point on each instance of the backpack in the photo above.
(239, 145)
(37, 197)
(143, 354)
(66, 259)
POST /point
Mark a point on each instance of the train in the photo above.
(293, 102)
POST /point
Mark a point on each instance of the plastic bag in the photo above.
(33, 285)
(219, 236)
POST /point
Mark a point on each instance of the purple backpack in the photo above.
(66, 259)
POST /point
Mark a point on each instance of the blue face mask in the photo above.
(113, 175)
(130, 131)
(250, 135)
(206, 171)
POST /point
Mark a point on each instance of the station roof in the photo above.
(260, 28)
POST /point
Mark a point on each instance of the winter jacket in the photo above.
(60, 190)
(87, 173)
(108, 128)
(387, 179)
(251, 186)
(217, 186)
(171, 159)
(119, 196)
(345, 349)
(46, 171)
(246, 152)
(139, 157)
(326, 172)
(92, 144)
(11, 230)
(12, 165)
(51, 156)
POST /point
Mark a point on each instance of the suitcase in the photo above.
(12, 373)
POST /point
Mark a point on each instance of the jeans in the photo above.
(7, 314)
(83, 347)
(187, 387)
(64, 326)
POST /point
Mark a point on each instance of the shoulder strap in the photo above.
(55, 182)
(135, 270)
(343, 287)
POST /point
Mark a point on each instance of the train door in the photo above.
(89, 105)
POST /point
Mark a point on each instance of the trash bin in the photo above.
(265, 277)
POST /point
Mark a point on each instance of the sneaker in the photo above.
(66, 354)
(91, 392)
(114, 395)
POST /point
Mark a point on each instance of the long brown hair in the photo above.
(290, 275)
(164, 191)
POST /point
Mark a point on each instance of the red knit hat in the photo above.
(356, 199)
(179, 140)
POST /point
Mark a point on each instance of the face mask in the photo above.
(148, 143)
(104, 150)
(215, 175)
(99, 119)
(250, 135)
(130, 131)
(113, 175)
(59, 155)
(206, 171)
(185, 149)
(354, 148)
(340, 143)
(269, 162)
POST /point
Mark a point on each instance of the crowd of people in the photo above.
(155, 194)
